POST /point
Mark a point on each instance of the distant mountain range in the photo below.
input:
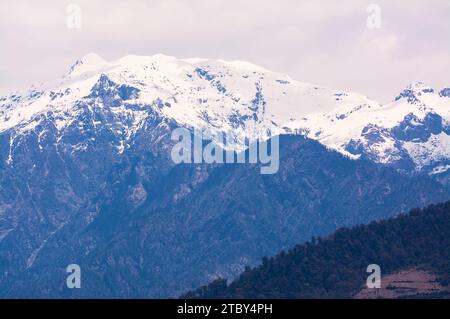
(411, 133)
(86, 175)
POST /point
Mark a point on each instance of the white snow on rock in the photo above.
(436, 148)
(234, 96)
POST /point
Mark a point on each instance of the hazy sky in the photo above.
(323, 42)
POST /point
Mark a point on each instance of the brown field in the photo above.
(403, 284)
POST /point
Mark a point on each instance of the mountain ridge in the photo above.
(249, 101)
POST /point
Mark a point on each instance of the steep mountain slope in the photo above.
(155, 230)
(86, 176)
(335, 267)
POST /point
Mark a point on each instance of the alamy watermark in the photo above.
(200, 147)
(373, 21)
(374, 279)
(73, 281)
(73, 20)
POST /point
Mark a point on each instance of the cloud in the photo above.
(320, 41)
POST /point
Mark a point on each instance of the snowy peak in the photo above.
(89, 62)
(412, 133)
(413, 91)
(419, 88)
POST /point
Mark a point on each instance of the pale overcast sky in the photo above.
(326, 42)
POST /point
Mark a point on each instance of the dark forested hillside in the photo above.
(336, 266)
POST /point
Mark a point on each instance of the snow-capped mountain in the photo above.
(411, 133)
(86, 175)
(226, 96)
